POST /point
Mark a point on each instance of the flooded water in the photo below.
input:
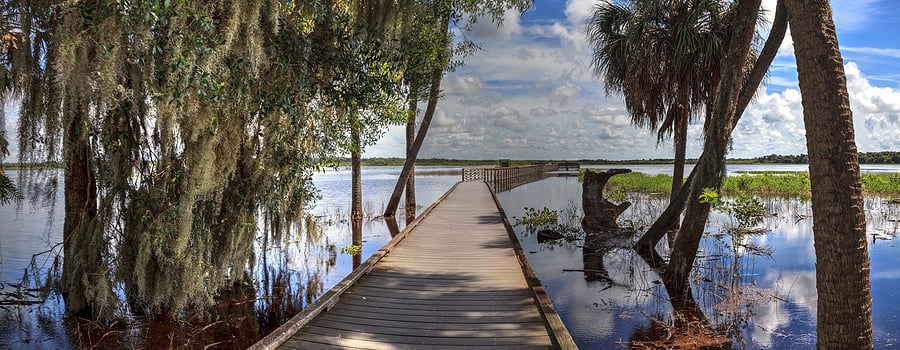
(292, 268)
(760, 300)
(603, 302)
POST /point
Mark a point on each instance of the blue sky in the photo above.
(530, 93)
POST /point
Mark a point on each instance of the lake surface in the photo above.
(294, 268)
(291, 271)
(777, 304)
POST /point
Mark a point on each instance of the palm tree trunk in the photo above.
(839, 225)
(659, 228)
(410, 138)
(681, 125)
(718, 135)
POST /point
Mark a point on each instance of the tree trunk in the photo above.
(659, 228)
(433, 96)
(599, 213)
(355, 169)
(82, 253)
(410, 138)
(718, 136)
(681, 124)
(839, 226)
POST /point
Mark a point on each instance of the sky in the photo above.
(530, 93)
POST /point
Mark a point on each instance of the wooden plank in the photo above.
(410, 312)
(301, 344)
(560, 334)
(289, 328)
(394, 299)
(436, 306)
(374, 289)
(376, 345)
(537, 325)
(426, 340)
(455, 281)
(473, 332)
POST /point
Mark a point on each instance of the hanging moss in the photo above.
(181, 124)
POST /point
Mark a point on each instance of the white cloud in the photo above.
(892, 53)
(462, 85)
(533, 96)
(543, 112)
(442, 120)
(564, 93)
(579, 11)
(523, 54)
(773, 123)
(487, 29)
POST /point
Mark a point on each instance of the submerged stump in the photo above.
(599, 223)
(599, 213)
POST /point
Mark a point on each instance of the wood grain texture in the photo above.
(455, 281)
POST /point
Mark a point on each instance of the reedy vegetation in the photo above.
(758, 183)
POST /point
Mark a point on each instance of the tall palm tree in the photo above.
(839, 222)
(664, 57)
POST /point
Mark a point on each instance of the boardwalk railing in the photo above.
(456, 277)
(506, 178)
(569, 166)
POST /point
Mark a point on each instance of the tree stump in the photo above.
(599, 213)
(599, 223)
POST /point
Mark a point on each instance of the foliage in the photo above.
(881, 183)
(536, 219)
(884, 157)
(767, 183)
(711, 197)
(8, 191)
(351, 250)
(197, 122)
(639, 182)
(566, 222)
(746, 210)
(659, 54)
(759, 183)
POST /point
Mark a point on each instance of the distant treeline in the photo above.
(32, 166)
(885, 157)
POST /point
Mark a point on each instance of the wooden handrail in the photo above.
(505, 178)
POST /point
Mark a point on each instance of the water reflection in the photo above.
(753, 297)
(293, 264)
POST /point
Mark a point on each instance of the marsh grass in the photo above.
(636, 182)
(759, 183)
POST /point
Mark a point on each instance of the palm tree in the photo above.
(664, 57)
(839, 222)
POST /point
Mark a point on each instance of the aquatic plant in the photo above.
(535, 219)
(760, 183)
(746, 210)
(566, 223)
(351, 250)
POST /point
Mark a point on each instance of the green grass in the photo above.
(768, 183)
(760, 183)
(640, 182)
(886, 184)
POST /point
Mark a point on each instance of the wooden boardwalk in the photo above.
(454, 278)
